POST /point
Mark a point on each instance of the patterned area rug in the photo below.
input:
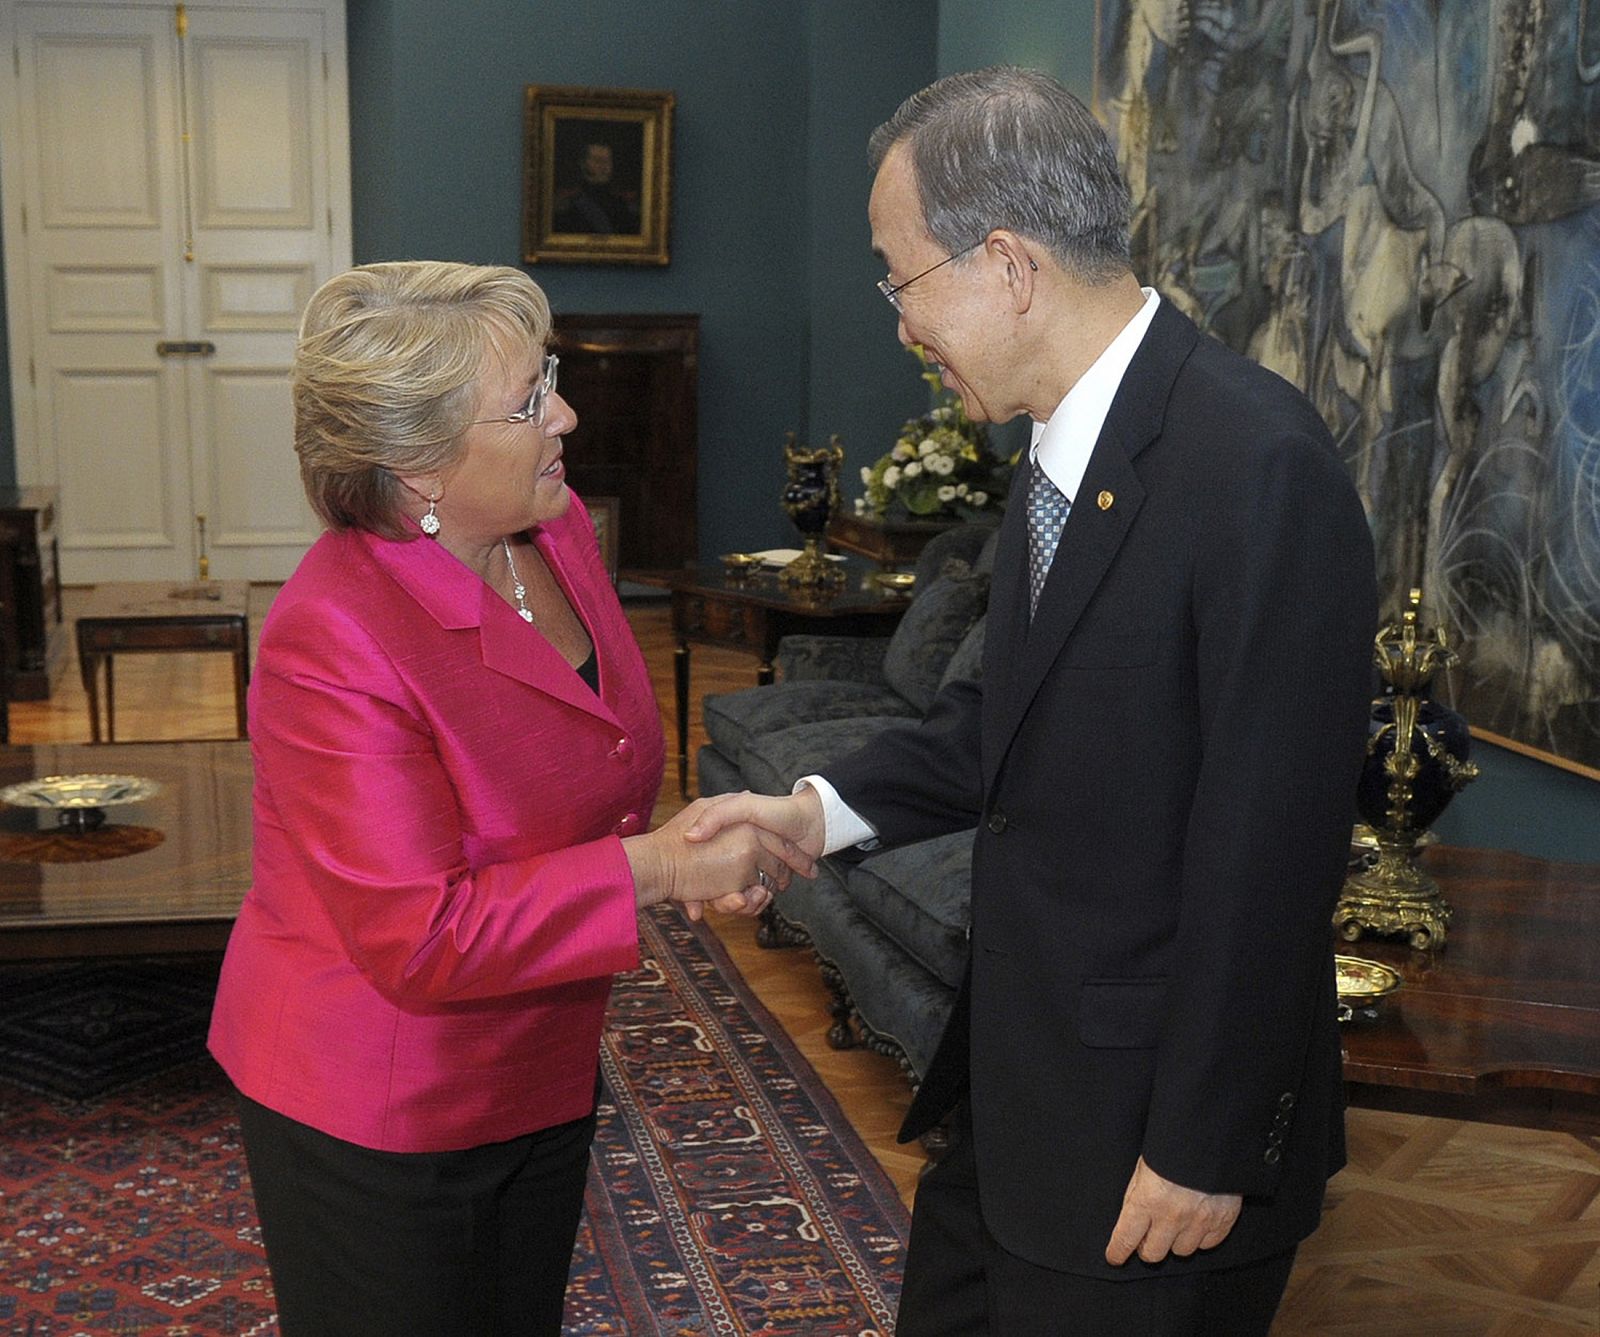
(728, 1194)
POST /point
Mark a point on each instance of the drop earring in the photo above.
(430, 522)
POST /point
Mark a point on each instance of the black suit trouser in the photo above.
(960, 1283)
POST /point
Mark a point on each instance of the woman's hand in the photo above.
(737, 869)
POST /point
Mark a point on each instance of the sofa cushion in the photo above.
(933, 626)
(919, 895)
(967, 662)
(772, 762)
(733, 718)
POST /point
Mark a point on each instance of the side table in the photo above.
(890, 543)
(159, 617)
(754, 612)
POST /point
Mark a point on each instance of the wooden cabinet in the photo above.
(633, 381)
(30, 591)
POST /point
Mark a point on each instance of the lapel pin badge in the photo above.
(1104, 501)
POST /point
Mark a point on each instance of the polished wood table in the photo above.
(161, 617)
(166, 874)
(1503, 1023)
(754, 612)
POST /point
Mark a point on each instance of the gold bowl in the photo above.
(1362, 985)
(740, 563)
(898, 581)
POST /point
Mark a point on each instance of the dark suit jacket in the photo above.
(1162, 768)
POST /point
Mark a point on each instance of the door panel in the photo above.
(100, 128)
(108, 417)
(262, 245)
(111, 427)
(252, 129)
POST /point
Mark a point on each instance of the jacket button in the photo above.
(1272, 1156)
(623, 750)
(628, 825)
(997, 822)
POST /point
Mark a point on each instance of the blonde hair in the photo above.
(386, 373)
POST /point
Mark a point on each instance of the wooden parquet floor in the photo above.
(1437, 1228)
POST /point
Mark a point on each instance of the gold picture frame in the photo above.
(597, 175)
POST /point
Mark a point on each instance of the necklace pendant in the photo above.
(525, 615)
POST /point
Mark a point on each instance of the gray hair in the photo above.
(386, 373)
(1006, 147)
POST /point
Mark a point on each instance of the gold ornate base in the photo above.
(1393, 898)
(812, 570)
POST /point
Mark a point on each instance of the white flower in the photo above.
(978, 498)
(942, 464)
(928, 446)
(913, 469)
(866, 473)
(961, 489)
(903, 450)
(861, 504)
(891, 476)
(947, 493)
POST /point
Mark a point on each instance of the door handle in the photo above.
(185, 348)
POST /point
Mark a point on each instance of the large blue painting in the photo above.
(1396, 205)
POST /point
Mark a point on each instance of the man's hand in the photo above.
(796, 818)
(736, 866)
(1160, 1217)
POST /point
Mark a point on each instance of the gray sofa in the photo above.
(889, 930)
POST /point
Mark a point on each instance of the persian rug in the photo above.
(728, 1193)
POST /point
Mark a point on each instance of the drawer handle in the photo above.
(185, 348)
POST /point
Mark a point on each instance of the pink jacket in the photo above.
(440, 896)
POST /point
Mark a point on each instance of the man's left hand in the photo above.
(1160, 1217)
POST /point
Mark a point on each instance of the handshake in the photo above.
(730, 852)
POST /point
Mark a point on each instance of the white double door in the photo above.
(176, 185)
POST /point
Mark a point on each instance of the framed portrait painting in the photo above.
(597, 175)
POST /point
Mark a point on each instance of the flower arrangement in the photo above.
(939, 468)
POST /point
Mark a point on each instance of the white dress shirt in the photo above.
(1062, 446)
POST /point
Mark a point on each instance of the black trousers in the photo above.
(960, 1283)
(364, 1243)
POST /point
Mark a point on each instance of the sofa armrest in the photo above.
(832, 658)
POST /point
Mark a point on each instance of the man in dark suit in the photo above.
(1160, 758)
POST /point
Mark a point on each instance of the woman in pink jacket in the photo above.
(456, 751)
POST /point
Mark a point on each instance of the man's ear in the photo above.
(1021, 268)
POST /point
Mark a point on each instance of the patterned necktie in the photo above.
(1047, 513)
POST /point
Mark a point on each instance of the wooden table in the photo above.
(160, 617)
(890, 543)
(168, 874)
(1502, 1024)
(754, 613)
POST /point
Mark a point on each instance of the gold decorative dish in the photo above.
(1362, 985)
(79, 800)
(740, 563)
(898, 581)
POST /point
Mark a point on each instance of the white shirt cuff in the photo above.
(842, 825)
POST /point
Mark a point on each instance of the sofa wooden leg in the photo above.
(842, 1034)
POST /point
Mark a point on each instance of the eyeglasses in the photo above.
(533, 411)
(892, 291)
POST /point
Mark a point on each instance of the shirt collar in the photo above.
(1062, 445)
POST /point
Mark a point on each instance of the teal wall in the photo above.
(1055, 37)
(1518, 803)
(769, 240)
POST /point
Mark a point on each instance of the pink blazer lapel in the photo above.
(457, 599)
